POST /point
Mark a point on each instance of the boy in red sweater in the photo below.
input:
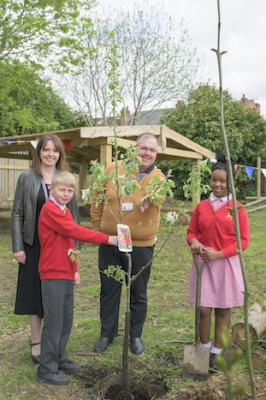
(57, 233)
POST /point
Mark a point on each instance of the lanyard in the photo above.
(45, 190)
(46, 195)
(140, 177)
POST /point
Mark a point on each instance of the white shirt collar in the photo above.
(62, 206)
(212, 197)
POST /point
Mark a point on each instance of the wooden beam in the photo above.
(189, 144)
(98, 141)
(16, 156)
(122, 142)
(88, 152)
(82, 176)
(105, 155)
(196, 193)
(162, 139)
(65, 134)
(15, 147)
(133, 130)
(184, 154)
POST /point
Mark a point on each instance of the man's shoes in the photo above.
(212, 364)
(136, 346)
(102, 344)
(53, 378)
(69, 367)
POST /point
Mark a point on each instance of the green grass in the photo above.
(170, 318)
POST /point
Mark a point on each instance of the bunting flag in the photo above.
(84, 143)
(249, 171)
(8, 141)
(236, 166)
(34, 143)
(67, 144)
(263, 170)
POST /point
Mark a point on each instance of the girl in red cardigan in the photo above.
(212, 238)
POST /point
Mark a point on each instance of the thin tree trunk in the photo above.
(235, 212)
(125, 367)
(126, 378)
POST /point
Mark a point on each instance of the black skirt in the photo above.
(28, 298)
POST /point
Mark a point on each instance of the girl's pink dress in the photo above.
(222, 283)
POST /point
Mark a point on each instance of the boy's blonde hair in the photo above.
(63, 178)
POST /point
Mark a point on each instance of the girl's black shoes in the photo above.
(212, 364)
(35, 359)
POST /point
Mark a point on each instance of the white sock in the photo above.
(206, 346)
(215, 350)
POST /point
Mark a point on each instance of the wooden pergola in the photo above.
(89, 143)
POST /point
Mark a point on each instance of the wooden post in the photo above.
(82, 177)
(258, 177)
(105, 154)
(162, 138)
(196, 192)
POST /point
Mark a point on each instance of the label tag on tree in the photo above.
(124, 238)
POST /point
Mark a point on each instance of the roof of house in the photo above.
(149, 117)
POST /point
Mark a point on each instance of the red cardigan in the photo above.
(57, 234)
(217, 229)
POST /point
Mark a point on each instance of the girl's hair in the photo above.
(61, 164)
(64, 178)
(221, 163)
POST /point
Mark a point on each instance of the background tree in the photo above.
(35, 35)
(30, 29)
(28, 103)
(198, 119)
(158, 63)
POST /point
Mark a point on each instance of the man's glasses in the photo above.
(146, 149)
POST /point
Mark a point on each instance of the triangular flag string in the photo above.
(8, 141)
(67, 144)
(249, 171)
(84, 143)
(34, 143)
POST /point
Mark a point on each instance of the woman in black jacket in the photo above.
(32, 192)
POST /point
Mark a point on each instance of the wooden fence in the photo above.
(10, 169)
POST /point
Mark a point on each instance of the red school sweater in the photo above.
(217, 229)
(57, 233)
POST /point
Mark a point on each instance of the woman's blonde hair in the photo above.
(61, 164)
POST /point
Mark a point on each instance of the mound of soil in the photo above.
(109, 386)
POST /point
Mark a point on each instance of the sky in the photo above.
(243, 33)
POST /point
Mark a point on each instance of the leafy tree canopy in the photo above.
(28, 103)
(33, 28)
(199, 120)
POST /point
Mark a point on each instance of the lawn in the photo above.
(170, 321)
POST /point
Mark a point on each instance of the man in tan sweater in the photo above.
(138, 218)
